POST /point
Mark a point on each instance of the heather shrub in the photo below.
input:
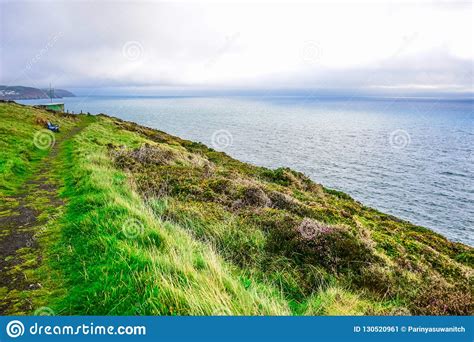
(255, 197)
(145, 154)
(288, 177)
(441, 299)
(333, 247)
(283, 201)
(378, 279)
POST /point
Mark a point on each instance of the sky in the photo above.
(154, 47)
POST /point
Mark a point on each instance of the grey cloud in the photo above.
(81, 44)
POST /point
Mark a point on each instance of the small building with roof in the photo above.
(56, 106)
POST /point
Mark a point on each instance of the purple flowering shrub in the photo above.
(311, 242)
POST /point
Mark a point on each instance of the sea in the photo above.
(409, 157)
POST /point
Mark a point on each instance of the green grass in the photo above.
(159, 270)
(20, 156)
(156, 225)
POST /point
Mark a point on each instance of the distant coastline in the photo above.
(30, 93)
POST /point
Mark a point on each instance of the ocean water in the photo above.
(408, 157)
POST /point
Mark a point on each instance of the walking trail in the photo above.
(23, 218)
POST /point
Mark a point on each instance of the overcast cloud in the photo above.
(370, 46)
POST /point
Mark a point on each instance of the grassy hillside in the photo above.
(138, 222)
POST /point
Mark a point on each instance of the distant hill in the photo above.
(59, 93)
(29, 93)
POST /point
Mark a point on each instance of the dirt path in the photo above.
(20, 252)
